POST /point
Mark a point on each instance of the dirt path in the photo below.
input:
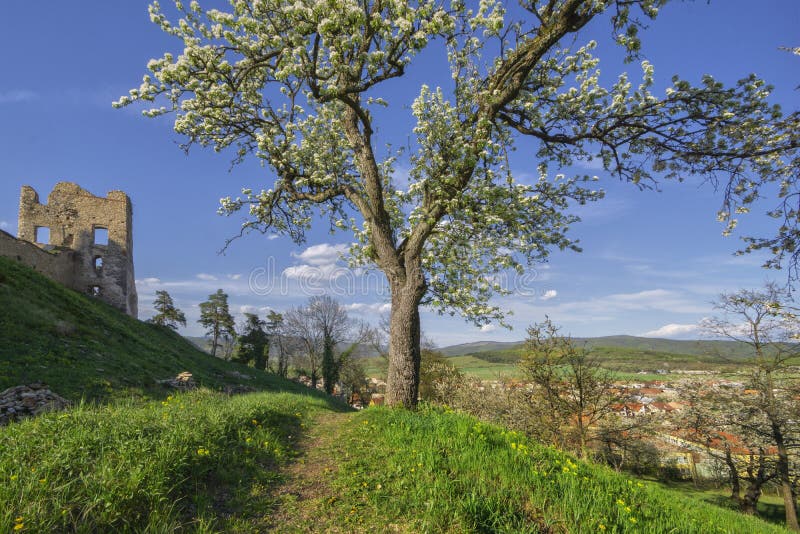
(300, 499)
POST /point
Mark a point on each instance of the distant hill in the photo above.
(479, 346)
(82, 347)
(713, 348)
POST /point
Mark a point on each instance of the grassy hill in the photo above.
(715, 349)
(285, 459)
(205, 462)
(83, 348)
(621, 354)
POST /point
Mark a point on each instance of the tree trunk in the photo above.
(749, 503)
(329, 373)
(216, 340)
(786, 486)
(733, 477)
(402, 385)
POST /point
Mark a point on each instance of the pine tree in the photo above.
(216, 318)
(253, 343)
(167, 314)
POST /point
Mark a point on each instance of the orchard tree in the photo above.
(166, 312)
(766, 320)
(569, 382)
(216, 317)
(296, 84)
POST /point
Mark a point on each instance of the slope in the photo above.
(83, 348)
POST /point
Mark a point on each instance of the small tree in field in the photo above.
(166, 312)
(217, 319)
(296, 84)
(569, 383)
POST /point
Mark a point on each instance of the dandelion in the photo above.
(202, 451)
(14, 477)
(633, 520)
(42, 480)
(620, 502)
(19, 526)
(602, 527)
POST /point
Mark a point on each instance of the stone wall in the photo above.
(92, 237)
(55, 264)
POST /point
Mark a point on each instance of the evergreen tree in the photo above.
(167, 314)
(274, 329)
(216, 318)
(253, 343)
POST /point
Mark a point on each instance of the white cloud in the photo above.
(314, 273)
(324, 254)
(148, 281)
(270, 237)
(4, 225)
(549, 294)
(364, 308)
(12, 97)
(234, 276)
(206, 277)
(675, 331)
(319, 263)
(488, 328)
(651, 299)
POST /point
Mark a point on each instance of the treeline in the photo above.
(318, 339)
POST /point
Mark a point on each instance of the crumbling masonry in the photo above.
(80, 240)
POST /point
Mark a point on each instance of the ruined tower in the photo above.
(89, 238)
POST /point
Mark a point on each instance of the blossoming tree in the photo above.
(296, 84)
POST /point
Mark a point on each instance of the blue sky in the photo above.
(652, 261)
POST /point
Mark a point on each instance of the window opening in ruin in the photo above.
(94, 291)
(98, 264)
(42, 235)
(100, 236)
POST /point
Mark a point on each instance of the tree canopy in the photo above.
(297, 85)
(166, 312)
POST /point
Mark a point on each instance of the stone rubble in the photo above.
(28, 401)
(183, 382)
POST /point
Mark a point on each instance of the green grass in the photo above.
(194, 461)
(440, 471)
(770, 504)
(83, 348)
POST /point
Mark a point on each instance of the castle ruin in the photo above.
(80, 240)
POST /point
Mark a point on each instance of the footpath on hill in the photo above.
(301, 499)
